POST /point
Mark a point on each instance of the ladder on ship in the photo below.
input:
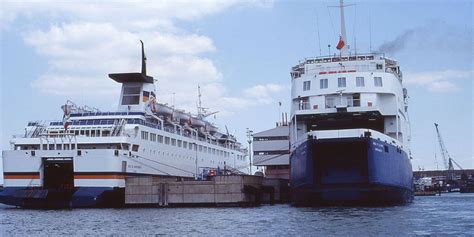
(118, 127)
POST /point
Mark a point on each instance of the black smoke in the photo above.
(398, 44)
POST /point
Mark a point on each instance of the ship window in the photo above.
(341, 82)
(153, 137)
(131, 90)
(160, 139)
(306, 85)
(135, 148)
(180, 143)
(131, 95)
(167, 140)
(385, 148)
(200, 148)
(379, 66)
(144, 135)
(323, 83)
(360, 82)
(378, 81)
(173, 142)
(185, 144)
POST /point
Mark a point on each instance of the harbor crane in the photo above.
(448, 161)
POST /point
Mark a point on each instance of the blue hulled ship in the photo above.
(350, 130)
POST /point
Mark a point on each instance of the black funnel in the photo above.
(143, 59)
(134, 76)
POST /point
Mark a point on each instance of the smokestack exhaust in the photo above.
(143, 59)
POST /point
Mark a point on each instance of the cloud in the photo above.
(83, 53)
(262, 93)
(438, 81)
(139, 13)
(83, 41)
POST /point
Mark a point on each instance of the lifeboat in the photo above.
(164, 110)
(195, 122)
(181, 117)
(211, 128)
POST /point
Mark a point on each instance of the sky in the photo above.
(240, 53)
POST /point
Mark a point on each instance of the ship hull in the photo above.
(82, 197)
(350, 171)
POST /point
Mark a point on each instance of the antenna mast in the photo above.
(343, 26)
(319, 36)
(370, 32)
(203, 112)
(199, 101)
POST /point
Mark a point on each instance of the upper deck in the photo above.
(333, 64)
(106, 127)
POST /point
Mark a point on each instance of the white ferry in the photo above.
(350, 130)
(83, 159)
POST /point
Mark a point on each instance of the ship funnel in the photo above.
(137, 88)
(143, 59)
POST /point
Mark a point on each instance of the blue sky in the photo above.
(240, 52)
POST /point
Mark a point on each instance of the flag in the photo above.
(341, 43)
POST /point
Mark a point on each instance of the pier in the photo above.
(231, 190)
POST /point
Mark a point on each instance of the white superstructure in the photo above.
(355, 85)
(352, 91)
(142, 138)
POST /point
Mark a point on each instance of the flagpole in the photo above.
(343, 27)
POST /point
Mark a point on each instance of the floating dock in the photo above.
(232, 190)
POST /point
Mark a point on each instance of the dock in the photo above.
(226, 190)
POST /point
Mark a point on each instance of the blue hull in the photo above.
(350, 171)
(63, 198)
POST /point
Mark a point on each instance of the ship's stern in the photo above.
(357, 170)
(56, 179)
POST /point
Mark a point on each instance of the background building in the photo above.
(271, 151)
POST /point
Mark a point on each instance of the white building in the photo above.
(271, 149)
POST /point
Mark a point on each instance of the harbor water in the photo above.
(448, 214)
